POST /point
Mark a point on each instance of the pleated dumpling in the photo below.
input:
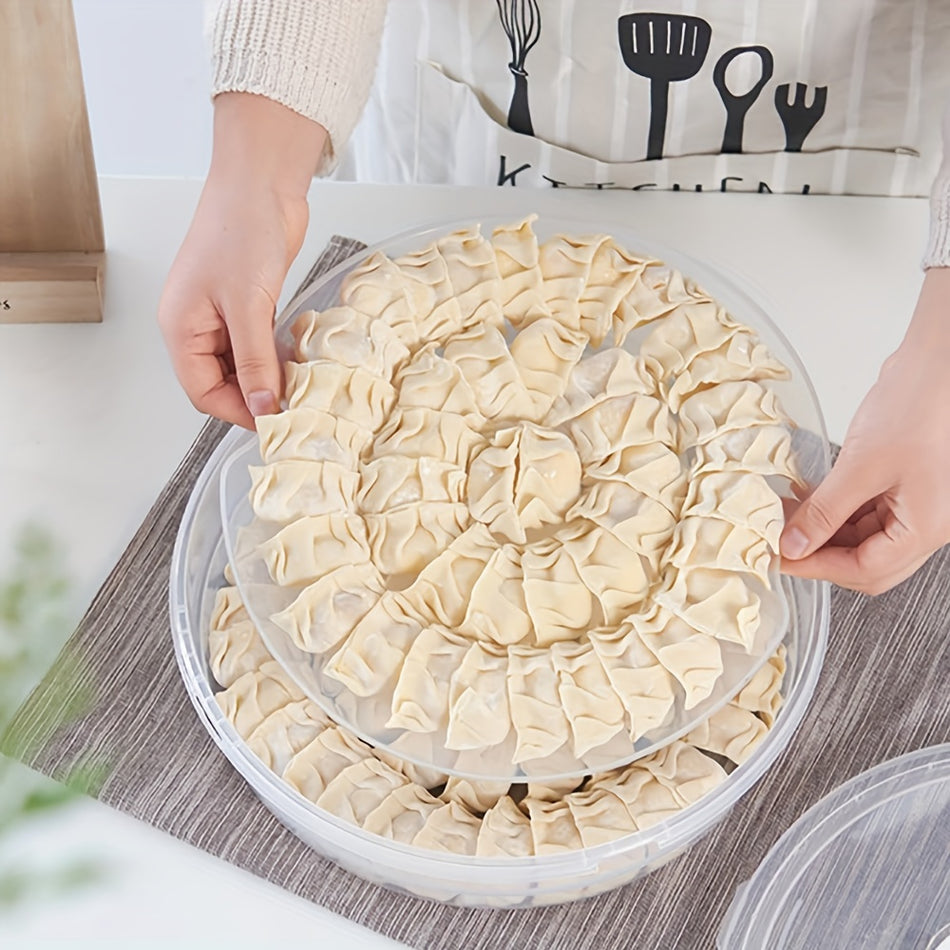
(404, 540)
(505, 830)
(732, 732)
(450, 828)
(479, 714)
(389, 482)
(437, 310)
(685, 771)
(360, 789)
(429, 381)
(762, 695)
(311, 435)
(285, 732)
(658, 291)
(553, 829)
(654, 470)
(693, 656)
(420, 700)
(600, 816)
(401, 815)
(647, 800)
(497, 611)
(613, 273)
(234, 645)
(565, 263)
(537, 712)
(485, 361)
(473, 273)
(766, 450)
(545, 351)
(417, 432)
(443, 588)
(593, 708)
(619, 422)
(709, 542)
(251, 698)
(516, 254)
(643, 683)
(325, 612)
(290, 489)
(352, 393)
(312, 769)
(727, 407)
(375, 650)
(308, 548)
(350, 338)
(476, 795)
(741, 498)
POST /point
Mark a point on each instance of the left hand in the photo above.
(885, 506)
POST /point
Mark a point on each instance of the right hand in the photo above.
(217, 309)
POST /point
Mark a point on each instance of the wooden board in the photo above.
(53, 287)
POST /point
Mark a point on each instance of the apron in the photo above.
(800, 96)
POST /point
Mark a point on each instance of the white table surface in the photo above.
(93, 424)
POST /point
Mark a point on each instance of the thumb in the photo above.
(255, 356)
(845, 489)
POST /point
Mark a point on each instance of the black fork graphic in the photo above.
(798, 118)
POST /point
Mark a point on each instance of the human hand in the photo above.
(884, 508)
(217, 309)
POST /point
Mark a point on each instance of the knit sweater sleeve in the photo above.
(316, 57)
(938, 245)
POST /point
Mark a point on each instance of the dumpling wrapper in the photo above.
(732, 732)
(404, 540)
(505, 830)
(479, 715)
(311, 435)
(537, 712)
(392, 481)
(417, 432)
(553, 829)
(497, 610)
(251, 698)
(360, 789)
(402, 814)
(291, 489)
(559, 602)
(600, 816)
(451, 829)
(312, 769)
(285, 732)
(352, 393)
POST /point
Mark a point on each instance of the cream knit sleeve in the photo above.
(315, 56)
(938, 246)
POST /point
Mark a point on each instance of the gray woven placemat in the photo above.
(884, 691)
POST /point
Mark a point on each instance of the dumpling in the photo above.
(285, 732)
(348, 337)
(429, 381)
(647, 800)
(497, 610)
(401, 815)
(553, 828)
(451, 829)
(732, 732)
(421, 697)
(394, 480)
(352, 393)
(763, 694)
(516, 254)
(709, 542)
(473, 273)
(251, 698)
(559, 603)
(613, 273)
(235, 649)
(437, 310)
(375, 650)
(741, 498)
(565, 263)
(742, 356)
(426, 776)
(415, 432)
(618, 422)
(600, 816)
(611, 571)
(228, 608)
(485, 361)
(659, 290)
(545, 352)
(311, 435)
(685, 771)
(526, 478)
(643, 684)
(654, 470)
(312, 769)
(443, 588)
(641, 522)
(311, 547)
(477, 796)
(537, 712)
(405, 539)
(766, 450)
(478, 699)
(325, 612)
(360, 789)
(713, 602)
(505, 830)
(593, 708)
(291, 489)
(727, 407)
(602, 375)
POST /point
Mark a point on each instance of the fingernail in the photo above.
(794, 543)
(261, 402)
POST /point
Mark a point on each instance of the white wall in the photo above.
(147, 75)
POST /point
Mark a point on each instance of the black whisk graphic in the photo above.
(521, 21)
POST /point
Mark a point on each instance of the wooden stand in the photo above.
(51, 239)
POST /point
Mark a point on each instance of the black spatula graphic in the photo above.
(663, 48)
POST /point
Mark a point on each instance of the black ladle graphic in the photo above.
(797, 118)
(738, 106)
(663, 48)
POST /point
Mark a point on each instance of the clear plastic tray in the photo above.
(368, 718)
(198, 561)
(869, 864)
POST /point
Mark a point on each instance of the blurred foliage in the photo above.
(35, 615)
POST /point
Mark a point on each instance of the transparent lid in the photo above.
(367, 716)
(869, 864)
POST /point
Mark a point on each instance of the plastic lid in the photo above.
(868, 866)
